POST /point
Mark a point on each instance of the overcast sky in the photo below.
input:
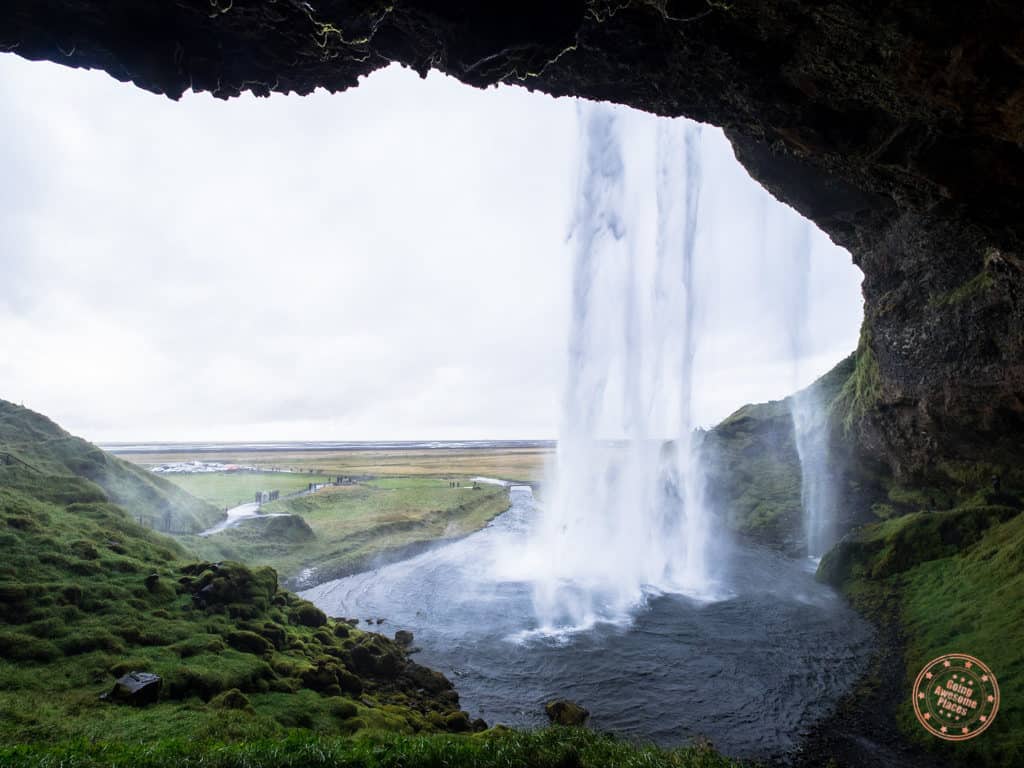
(387, 263)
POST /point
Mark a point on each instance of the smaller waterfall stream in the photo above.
(810, 417)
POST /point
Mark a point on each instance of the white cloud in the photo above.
(390, 262)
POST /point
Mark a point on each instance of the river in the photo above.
(751, 671)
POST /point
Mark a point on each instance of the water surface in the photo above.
(751, 671)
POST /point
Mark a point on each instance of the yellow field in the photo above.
(526, 464)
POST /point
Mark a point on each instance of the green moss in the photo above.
(976, 286)
(957, 577)
(861, 391)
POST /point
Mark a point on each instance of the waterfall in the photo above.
(810, 418)
(624, 514)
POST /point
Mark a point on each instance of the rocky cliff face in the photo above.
(896, 127)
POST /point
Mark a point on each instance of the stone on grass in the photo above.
(136, 688)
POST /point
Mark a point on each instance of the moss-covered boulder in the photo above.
(565, 712)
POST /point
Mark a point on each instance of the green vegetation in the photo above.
(958, 580)
(354, 524)
(753, 472)
(977, 285)
(28, 437)
(861, 389)
(497, 748)
(753, 469)
(229, 489)
(88, 594)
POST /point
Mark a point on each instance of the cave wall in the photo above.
(896, 127)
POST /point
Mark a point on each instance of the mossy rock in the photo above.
(458, 722)
(565, 712)
(232, 699)
(249, 642)
(199, 644)
(18, 647)
(307, 615)
(341, 708)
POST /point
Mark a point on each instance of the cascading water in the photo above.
(620, 540)
(810, 422)
(625, 515)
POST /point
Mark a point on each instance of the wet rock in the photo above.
(308, 615)
(428, 679)
(565, 712)
(136, 688)
(404, 637)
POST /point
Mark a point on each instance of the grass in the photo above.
(229, 489)
(354, 524)
(861, 390)
(525, 464)
(499, 748)
(958, 578)
(156, 503)
(753, 472)
(753, 469)
(88, 595)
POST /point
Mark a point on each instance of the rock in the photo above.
(565, 712)
(136, 688)
(152, 581)
(478, 725)
(308, 615)
(428, 679)
(457, 722)
(895, 127)
(404, 637)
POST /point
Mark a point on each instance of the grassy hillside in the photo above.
(352, 526)
(957, 579)
(252, 675)
(753, 469)
(88, 594)
(29, 437)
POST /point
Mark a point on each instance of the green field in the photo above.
(350, 525)
(229, 489)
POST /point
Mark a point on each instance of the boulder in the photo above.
(565, 712)
(426, 678)
(404, 637)
(136, 688)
